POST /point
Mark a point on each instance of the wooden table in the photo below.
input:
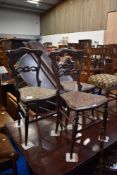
(47, 157)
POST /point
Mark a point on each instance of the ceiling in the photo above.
(42, 7)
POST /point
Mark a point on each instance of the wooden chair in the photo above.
(26, 69)
(74, 45)
(70, 82)
(80, 103)
(105, 78)
(8, 156)
(94, 61)
(85, 43)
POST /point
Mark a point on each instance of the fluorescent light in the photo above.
(33, 2)
(36, 0)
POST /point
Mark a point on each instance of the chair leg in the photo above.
(18, 109)
(14, 165)
(57, 124)
(66, 121)
(74, 132)
(59, 114)
(20, 113)
(100, 91)
(26, 128)
(105, 118)
(116, 101)
(18, 119)
(102, 137)
(101, 160)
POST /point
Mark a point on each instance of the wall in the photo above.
(74, 37)
(110, 35)
(77, 16)
(19, 22)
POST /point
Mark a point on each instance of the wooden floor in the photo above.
(47, 156)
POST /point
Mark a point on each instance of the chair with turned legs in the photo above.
(25, 64)
(77, 102)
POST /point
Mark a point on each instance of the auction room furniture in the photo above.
(73, 105)
(29, 93)
(8, 155)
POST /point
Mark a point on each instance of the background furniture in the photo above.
(105, 79)
(8, 156)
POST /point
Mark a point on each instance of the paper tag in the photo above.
(74, 157)
(86, 141)
(29, 145)
(29, 97)
(53, 133)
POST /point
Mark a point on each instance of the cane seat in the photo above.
(72, 86)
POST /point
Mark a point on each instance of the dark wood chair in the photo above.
(104, 78)
(85, 43)
(94, 61)
(73, 105)
(70, 82)
(8, 156)
(26, 68)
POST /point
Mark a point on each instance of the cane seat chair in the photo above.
(8, 155)
(25, 64)
(74, 101)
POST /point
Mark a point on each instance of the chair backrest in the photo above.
(95, 59)
(99, 60)
(47, 73)
(25, 66)
(67, 65)
(115, 58)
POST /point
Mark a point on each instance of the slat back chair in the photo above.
(105, 79)
(94, 60)
(114, 52)
(75, 101)
(29, 93)
(98, 60)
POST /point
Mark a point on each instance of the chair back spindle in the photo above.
(67, 64)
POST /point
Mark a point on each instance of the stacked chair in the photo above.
(76, 102)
